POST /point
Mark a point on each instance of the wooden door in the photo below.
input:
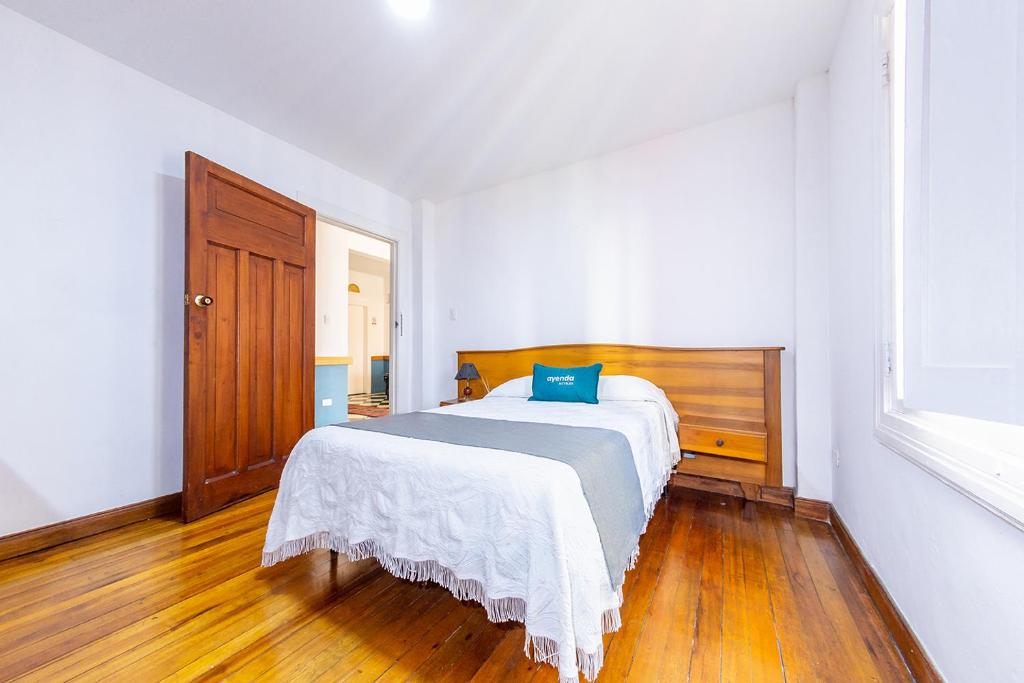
(250, 288)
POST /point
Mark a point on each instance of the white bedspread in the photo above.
(509, 530)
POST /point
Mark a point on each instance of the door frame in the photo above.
(396, 319)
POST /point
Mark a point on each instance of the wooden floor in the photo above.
(715, 597)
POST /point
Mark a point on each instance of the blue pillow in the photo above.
(569, 385)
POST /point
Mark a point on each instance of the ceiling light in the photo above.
(410, 9)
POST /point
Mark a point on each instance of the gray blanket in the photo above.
(602, 458)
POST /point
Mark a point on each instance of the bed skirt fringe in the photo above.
(540, 648)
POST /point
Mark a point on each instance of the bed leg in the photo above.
(334, 561)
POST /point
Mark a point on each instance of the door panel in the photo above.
(290, 356)
(249, 353)
(260, 427)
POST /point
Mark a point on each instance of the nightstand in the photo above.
(452, 401)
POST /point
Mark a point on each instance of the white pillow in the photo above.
(630, 388)
(520, 387)
(609, 388)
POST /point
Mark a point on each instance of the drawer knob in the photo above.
(720, 442)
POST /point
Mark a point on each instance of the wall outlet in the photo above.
(327, 402)
(835, 457)
(452, 314)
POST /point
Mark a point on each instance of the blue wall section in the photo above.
(377, 370)
(331, 382)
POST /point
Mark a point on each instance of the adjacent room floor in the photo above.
(364, 406)
(715, 597)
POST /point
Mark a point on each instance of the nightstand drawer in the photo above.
(745, 445)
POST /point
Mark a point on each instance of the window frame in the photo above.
(974, 457)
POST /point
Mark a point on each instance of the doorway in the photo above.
(355, 332)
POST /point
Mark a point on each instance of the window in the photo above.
(951, 381)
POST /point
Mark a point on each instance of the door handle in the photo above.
(202, 301)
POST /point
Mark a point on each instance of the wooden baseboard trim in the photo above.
(913, 654)
(776, 495)
(80, 527)
(709, 484)
(809, 508)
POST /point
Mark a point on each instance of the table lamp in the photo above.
(467, 371)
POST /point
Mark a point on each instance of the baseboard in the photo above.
(776, 495)
(810, 508)
(913, 654)
(709, 484)
(80, 527)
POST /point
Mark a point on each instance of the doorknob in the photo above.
(202, 301)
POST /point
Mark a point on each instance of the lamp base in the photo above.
(466, 393)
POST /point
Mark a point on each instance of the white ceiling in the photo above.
(479, 92)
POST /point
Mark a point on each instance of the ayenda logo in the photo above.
(563, 380)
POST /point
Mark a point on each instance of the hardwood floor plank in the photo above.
(836, 606)
(221, 619)
(431, 642)
(663, 611)
(706, 656)
(675, 661)
(148, 555)
(809, 603)
(107, 609)
(803, 652)
(750, 647)
(714, 597)
(507, 662)
(872, 628)
(255, 649)
(381, 651)
(842, 632)
(69, 559)
(638, 591)
(307, 652)
(463, 653)
(199, 615)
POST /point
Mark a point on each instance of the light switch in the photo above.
(327, 402)
(451, 314)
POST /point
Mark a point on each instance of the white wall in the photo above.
(374, 294)
(369, 245)
(332, 278)
(91, 180)
(424, 305)
(813, 421)
(683, 241)
(952, 567)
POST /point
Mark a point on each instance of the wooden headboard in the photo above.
(723, 394)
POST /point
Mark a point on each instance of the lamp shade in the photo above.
(467, 371)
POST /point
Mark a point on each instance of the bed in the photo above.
(512, 531)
